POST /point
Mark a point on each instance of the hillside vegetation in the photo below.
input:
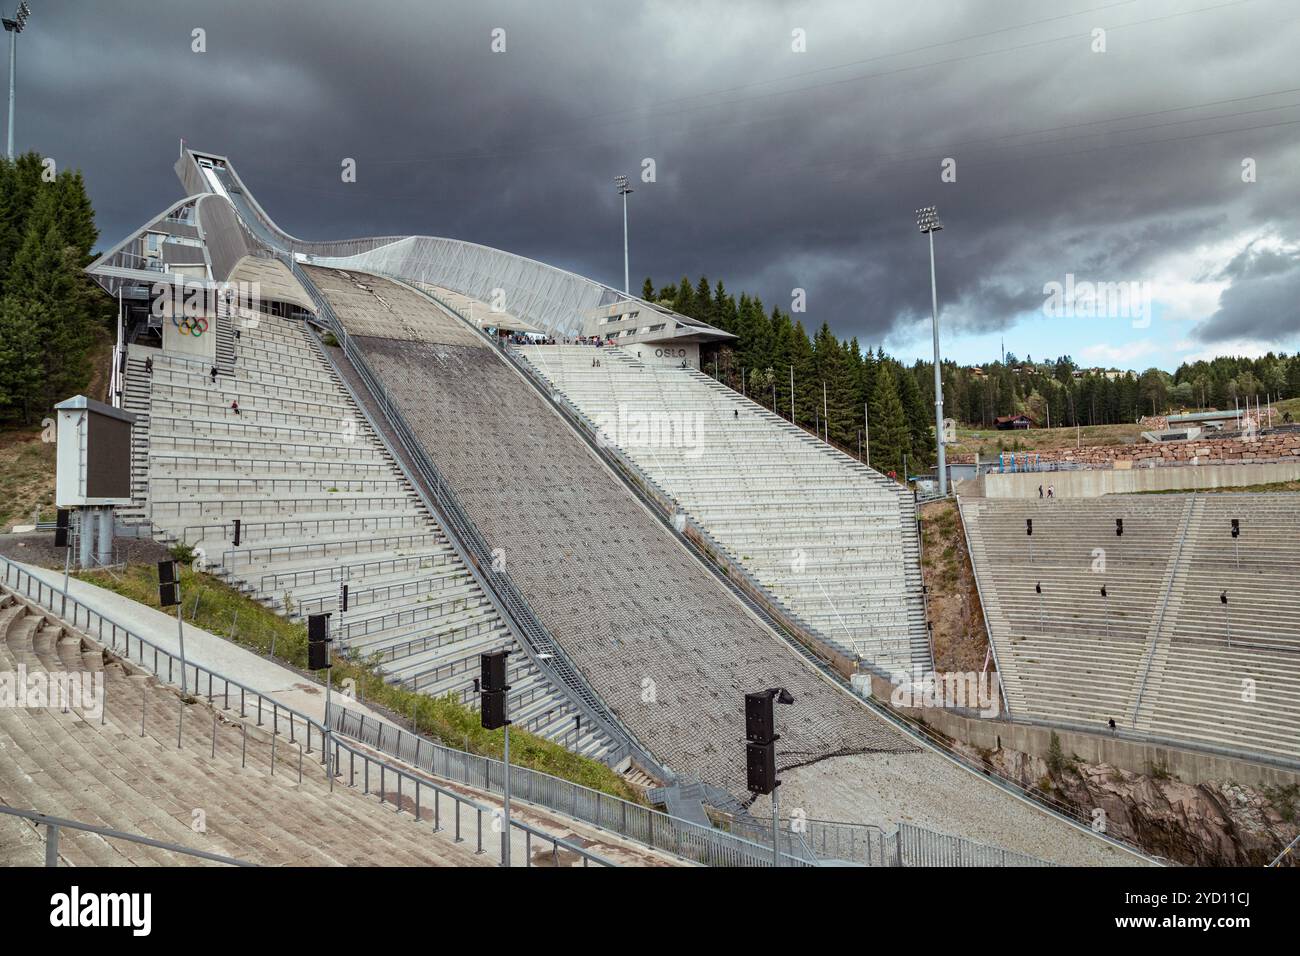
(216, 607)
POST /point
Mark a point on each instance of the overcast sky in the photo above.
(776, 168)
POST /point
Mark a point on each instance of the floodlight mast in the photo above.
(623, 189)
(927, 220)
(14, 27)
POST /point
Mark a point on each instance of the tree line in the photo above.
(839, 385)
(50, 311)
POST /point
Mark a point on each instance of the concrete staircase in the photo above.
(124, 769)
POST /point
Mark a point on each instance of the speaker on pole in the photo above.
(318, 641)
(169, 584)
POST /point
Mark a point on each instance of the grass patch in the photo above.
(26, 476)
(223, 610)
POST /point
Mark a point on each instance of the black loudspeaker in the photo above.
(1029, 527)
(760, 725)
(166, 572)
(237, 528)
(169, 584)
(318, 628)
(1119, 527)
(494, 672)
(760, 767)
(1236, 527)
(61, 528)
(318, 641)
(343, 597)
(494, 709)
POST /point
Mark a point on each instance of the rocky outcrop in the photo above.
(1212, 824)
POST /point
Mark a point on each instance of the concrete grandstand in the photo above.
(355, 414)
(1196, 638)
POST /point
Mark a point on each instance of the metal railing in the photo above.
(53, 826)
(535, 639)
(682, 838)
(330, 753)
(917, 846)
(1188, 515)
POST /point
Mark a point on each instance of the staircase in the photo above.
(225, 340)
(137, 398)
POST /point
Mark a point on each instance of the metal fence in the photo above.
(395, 786)
(54, 825)
(653, 828)
(917, 846)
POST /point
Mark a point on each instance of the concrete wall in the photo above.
(666, 353)
(1190, 766)
(1126, 480)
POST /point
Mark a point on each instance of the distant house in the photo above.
(1014, 422)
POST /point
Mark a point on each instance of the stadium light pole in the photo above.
(927, 220)
(623, 190)
(15, 27)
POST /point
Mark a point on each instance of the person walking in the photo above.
(1040, 491)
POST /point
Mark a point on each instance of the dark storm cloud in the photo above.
(776, 170)
(1263, 302)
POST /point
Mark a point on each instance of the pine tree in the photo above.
(920, 435)
(648, 290)
(806, 382)
(890, 440)
(22, 364)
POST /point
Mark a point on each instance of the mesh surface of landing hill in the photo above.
(668, 648)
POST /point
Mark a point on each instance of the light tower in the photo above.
(15, 27)
(623, 190)
(927, 220)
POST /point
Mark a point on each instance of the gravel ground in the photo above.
(38, 548)
(924, 789)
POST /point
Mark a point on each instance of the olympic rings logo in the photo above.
(191, 325)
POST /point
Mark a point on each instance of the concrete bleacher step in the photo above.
(1168, 667)
(297, 441)
(124, 770)
(763, 489)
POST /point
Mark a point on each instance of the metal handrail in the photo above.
(54, 824)
(535, 639)
(1164, 605)
(215, 679)
(662, 831)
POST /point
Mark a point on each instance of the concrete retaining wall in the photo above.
(1134, 478)
(1190, 766)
